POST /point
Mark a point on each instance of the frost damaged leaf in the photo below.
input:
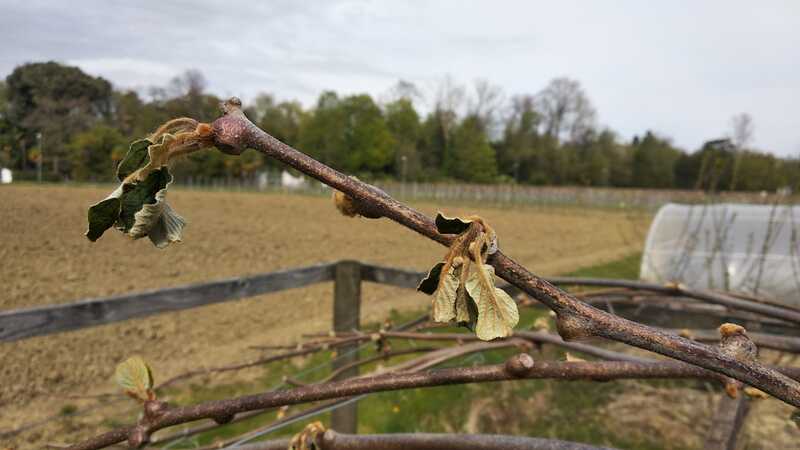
(103, 215)
(136, 157)
(136, 378)
(444, 299)
(429, 284)
(451, 225)
(497, 312)
(136, 195)
(138, 206)
(466, 309)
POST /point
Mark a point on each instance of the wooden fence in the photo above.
(347, 277)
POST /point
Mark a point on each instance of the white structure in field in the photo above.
(290, 181)
(751, 249)
(5, 176)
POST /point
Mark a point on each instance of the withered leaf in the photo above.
(497, 312)
(451, 225)
(429, 284)
(444, 299)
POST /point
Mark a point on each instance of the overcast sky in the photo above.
(680, 68)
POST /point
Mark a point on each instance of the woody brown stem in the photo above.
(234, 133)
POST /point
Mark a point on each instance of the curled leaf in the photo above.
(497, 312)
(136, 157)
(103, 215)
(138, 206)
(451, 225)
(135, 377)
(444, 299)
(429, 284)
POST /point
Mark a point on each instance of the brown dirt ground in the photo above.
(45, 259)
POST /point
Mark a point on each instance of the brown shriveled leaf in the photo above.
(136, 378)
(451, 225)
(429, 284)
(497, 312)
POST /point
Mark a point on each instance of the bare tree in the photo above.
(741, 135)
(485, 104)
(449, 95)
(566, 111)
(191, 83)
(742, 130)
(403, 89)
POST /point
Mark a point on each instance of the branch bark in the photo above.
(233, 133)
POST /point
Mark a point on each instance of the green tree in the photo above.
(518, 153)
(403, 123)
(95, 153)
(350, 133)
(473, 158)
(55, 101)
(653, 162)
(281, 120)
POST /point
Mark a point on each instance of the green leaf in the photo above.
(451, 225)
(102, 216)
(444, 299)
(136, 378)
(497, 311)
(136, 158)
(429, 284)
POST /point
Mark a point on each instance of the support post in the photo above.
(346, 317)
(727, 423)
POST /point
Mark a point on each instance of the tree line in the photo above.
(77, 127)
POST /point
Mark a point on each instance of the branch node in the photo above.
(138, 437)
(153, 409)
(230, 129)
(519, 365)
(572, 326)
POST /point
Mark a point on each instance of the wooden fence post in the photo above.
(346, 314)
(727, 423)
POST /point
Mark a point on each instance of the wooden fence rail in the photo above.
(26, 323)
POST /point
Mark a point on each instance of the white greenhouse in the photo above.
(749, 249)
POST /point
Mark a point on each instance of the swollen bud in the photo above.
(519, 365)
(222, 419)
(353, 208)
(572, 326)
(735, 343)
